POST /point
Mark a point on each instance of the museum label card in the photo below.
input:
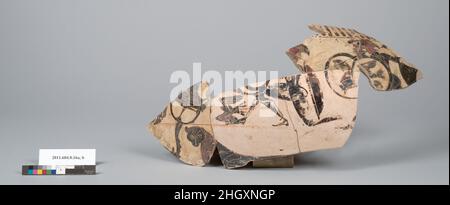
(67, 156)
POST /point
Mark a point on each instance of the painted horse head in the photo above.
(351, 52)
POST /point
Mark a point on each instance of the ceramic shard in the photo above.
(312, 110)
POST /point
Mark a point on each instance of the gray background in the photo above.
(92, 74)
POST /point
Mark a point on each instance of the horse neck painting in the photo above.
(343, 49)
(279, 118)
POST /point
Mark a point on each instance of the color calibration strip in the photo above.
(58, 170)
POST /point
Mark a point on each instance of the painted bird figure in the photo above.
(312, 110)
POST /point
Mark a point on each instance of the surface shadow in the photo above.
(359, 153)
